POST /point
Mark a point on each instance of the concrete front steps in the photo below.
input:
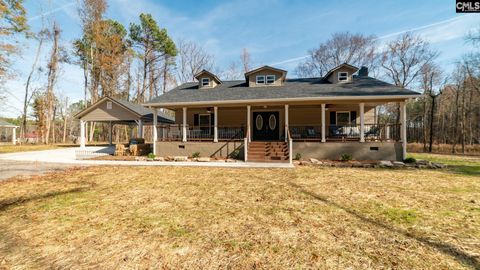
(268, 152)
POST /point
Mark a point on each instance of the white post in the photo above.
(14, 135)
(110, 127)
(249, 129)
(154, 131)
(286, 122)
(245, 148)
(323, 123)
(215, 124)
(184, 125)
(387, 133)
(362, 122)
(82, 134)
(403, 118)
(290, 151)
(140, 129)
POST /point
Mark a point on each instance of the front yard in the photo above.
(308, 217)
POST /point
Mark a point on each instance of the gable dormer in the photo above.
(207, 79)
(341, 74)
(265, 76)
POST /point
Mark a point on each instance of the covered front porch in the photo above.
(294, 123)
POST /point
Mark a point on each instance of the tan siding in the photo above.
(334, 77)
(101, 113)
(213, 83)
(252, 78)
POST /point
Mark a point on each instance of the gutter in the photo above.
(285, 100)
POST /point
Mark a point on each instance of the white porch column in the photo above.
(249, 129)
(154, 131)
(403, 128)
(286, 122)
(140, 129)
(323, 123)
(14, 135)
(82, 134)
(184, 125)
(110, 127)
(215, 124)
(362, 122)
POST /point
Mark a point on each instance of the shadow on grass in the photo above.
(5, 204)
(466, 170)
(445, 248)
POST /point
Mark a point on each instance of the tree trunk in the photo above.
(52, 74)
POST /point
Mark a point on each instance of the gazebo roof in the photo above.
(7, 124)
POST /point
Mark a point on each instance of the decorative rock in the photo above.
(422, 162)
(438, 165)
(368, 165)
(180, 158)
(315, 161)
(203, 159)
(296, 162)
(385, 164)
(398, 164)
(357, 164)
(304, 163)
(229, 160)
(159, 159)
(343, 165)
(140, 158)
(149, 159)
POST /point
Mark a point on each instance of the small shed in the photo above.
(8, 132)
(115, 111)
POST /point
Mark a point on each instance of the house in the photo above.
(268, 117)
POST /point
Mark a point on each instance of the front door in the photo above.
(266, 126)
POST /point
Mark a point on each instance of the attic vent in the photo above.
(109, 105)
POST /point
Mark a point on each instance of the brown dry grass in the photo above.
(171, 217)
(445, 148)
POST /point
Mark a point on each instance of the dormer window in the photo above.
(270, 79)
(205, 81)
(342, 76)
(260, 79)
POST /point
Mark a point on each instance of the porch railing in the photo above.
(372, 132)
(200, 133)
(305, 133)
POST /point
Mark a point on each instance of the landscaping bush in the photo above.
(298, 156)
(235, 154)
(409, 160)
(151, 155)
(346, 157)
(195, 154)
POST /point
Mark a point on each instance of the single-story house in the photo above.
(119, 112)
(8, 132)
(268, 117)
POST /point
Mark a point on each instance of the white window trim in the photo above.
(109, 105)
(274, 79)
(260, 76)
(346, 76)
(336, 117)
(207, 80)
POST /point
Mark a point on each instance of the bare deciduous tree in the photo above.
(245, 59)
(192, 58)
(355, 49)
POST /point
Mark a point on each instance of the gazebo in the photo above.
(8, 132)
(115, 111)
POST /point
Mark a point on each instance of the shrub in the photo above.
(195, 154)
(346, 157)
(235, 154)
(410, 160)
(151, 155)
(298, 156)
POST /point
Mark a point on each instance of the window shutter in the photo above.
(353, 117)
(333, 118)
(195, 120)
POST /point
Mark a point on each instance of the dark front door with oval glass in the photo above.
(265, 126)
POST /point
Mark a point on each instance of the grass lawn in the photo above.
(27, 147)
(308, 217)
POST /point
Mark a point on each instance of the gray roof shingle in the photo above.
(6, 124)
(292, 88)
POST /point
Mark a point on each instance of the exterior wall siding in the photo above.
(334, 77)
(359, 151)
(116, 113)
(252, 81)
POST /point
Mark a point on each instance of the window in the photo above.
(259, 122)
(270, 79)
(272, 122)
(343, 76)
(205, 81)
(261, 79)
(109, 105)
(343, 118)
(204, 122)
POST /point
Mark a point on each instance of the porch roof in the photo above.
(6, 124)
(293, 89)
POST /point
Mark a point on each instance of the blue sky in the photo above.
(275, 32)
